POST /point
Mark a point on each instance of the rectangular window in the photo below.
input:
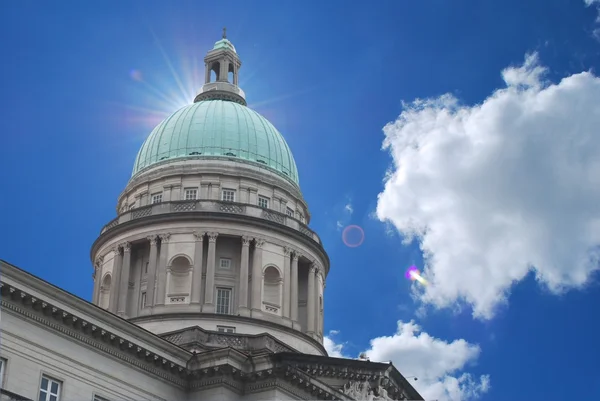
(156, 198)
(191, 194)
(289, 212)
(49, 389)
(228, 195)
(225, 263)
(224, 301)
(2, 368)
(143, 300)
(146, 268)
(225, 329)
(263, 202)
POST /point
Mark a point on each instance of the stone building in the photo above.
(208, 285)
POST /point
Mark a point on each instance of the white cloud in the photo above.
(497, 190)
(438, 365)
(333, 350)
(344, 213)
(590, 2)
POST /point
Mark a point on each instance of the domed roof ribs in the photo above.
(222, 59)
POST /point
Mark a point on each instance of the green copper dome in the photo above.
(218, 128)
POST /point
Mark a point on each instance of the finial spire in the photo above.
(224, 32)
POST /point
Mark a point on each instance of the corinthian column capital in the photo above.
(199, 235)
(152, 239)
(212, 237)
(245, 240)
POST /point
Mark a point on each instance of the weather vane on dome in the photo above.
(224, 32)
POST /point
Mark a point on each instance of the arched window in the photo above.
(104, 300)
(179, 280)
(215, 71)
(272, 290)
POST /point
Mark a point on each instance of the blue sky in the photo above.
(494, 173)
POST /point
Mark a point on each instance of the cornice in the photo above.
(20, 302)
(26, 283)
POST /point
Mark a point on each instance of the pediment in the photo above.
(197, 339)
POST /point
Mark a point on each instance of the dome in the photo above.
(224, 44)
(218, 128)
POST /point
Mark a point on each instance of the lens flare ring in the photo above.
(346, 233)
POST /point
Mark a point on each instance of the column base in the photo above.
(244, 311)
(296, 325)
(256, 313)
(208, 308)
(287, 322)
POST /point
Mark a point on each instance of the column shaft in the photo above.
(243, 296)
(310, 302)
(257, 274)
(97, 280)
(294, 288)
(197, 272)
(287, 282)
(209, 291)
(115, 280)
(151, 277)
(124, 283)
(161, 273)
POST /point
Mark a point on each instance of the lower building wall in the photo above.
(32, 351)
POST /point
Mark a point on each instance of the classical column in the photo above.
(310, 302)
(124, 283)
(287, 282)
(97, 279)
(243, 297)
(209, 291)
(320, 305)
(257, 274)
(151, 278)
(115, 280)
(161, 273)
(294, 287)
(197, 273)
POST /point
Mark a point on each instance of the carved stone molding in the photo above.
(152, 239)
(126, 246)
(259, 242)
(287, 251)
(199, 235)
(212, 237)
(245, 240)
(93, 336)
(164, 238)
(98, 263)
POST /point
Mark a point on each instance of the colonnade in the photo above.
(156, 284)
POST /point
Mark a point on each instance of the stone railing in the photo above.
(211, 206)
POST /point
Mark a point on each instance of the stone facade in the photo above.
(208, 285)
